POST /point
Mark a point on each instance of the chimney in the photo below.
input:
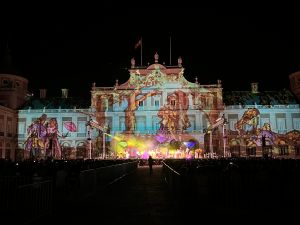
(179, 61)
(43, 93)
(254, 88)
(64, 93)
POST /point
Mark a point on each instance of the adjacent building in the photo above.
(13, 93)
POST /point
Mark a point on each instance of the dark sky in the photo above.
(70, 51)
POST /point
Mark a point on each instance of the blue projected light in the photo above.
(190, 144)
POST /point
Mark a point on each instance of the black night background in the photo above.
(157, 150)
(68, 51)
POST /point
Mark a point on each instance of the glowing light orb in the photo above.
(123, 144)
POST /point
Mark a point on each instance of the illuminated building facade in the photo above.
(158, 112)
(274, 116)
(157, 103)
(64, 110)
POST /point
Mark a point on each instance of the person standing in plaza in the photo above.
(150, 163)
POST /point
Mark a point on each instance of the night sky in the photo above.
(238, 47)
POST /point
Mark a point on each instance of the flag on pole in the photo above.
(138, 44)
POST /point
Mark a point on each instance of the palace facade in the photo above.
(156, 111)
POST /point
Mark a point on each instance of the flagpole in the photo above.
(170, 51)
(141, 51)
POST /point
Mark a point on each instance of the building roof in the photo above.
(55, 103)
(282, 97)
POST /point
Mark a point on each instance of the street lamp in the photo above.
(220, 121)
(90, 141)
(94, 124)
(211, 150)
(224, 136)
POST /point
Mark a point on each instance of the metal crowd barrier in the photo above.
(249, 188)
(173, 180)
(23, 200)
(91, 180)
(34, 201)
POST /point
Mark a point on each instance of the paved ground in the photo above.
(139, 198)
(143, 199)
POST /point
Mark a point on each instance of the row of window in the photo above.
(9, 126)
(281, 124)
(251, 151)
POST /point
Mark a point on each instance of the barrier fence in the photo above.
(218, 186)
(24, 200)
(92, 180)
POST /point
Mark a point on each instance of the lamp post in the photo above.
(210, 143)
(224, 137)
(94, 124)
(220, 121)
(90, 142)
(89, 138)
(103, 144)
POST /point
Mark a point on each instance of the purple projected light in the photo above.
(70, 126)
(269, 135)
(161, 138)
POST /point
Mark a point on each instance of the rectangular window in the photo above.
(2, 124)
(140, 123)
(192, 120)
(1, 149)
(104, 104)
(296, 123)
(264, 121)
(281, 125)
(156, 103)
(141, 105)
(204, 122)
(81, 126)
(210, 102)
(122, 123)
(232, 120)
(173, 102)
(155, 123)
(232, 123)
(22, 126)
(9, 127)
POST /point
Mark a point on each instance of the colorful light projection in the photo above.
(253, 136)
(141, 146)
(159, 100)
(250, 117)
(43, 137)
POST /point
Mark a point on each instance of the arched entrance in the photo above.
(67, 151)
(250, 148)
(7, 151)
(81, 152)
(235, 148)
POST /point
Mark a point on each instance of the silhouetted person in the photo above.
(263, 141)
(263, 144)
(150, 163)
